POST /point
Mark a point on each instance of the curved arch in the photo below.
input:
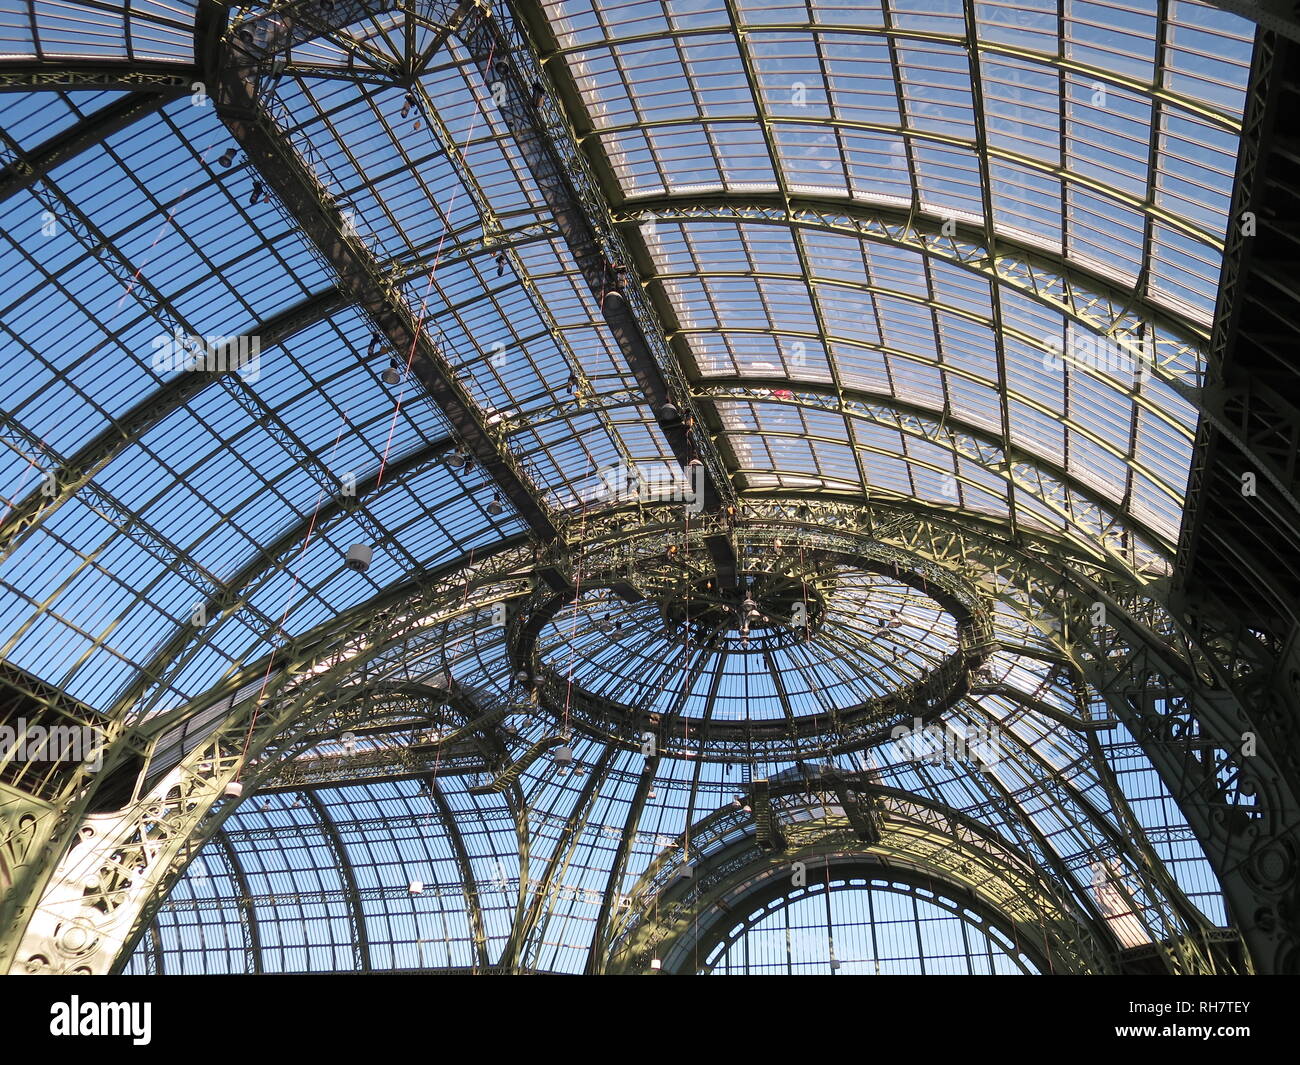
(842, 874)
(1087, 299)
(969, 854)
(934, 427)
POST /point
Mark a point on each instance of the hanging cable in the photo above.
(428, 288)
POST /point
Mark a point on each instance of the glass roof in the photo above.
(894, 266)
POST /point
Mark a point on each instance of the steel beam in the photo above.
(233, 71)
(123, 75)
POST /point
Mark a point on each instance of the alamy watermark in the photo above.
(1131, 357)
(21, 742)
(181, 351)
(654, 483)
(980, 745)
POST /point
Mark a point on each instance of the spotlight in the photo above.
(376, 346)
(501, 263)
(227, 157)
(409, 103)
(668, 412)
(496, 507)
(259, 194)
(538, 94)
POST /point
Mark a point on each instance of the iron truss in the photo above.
(820, 820)
(89, 861)
(1181, 699)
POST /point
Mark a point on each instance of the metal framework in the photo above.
(823, 331)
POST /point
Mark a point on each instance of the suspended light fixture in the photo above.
(409, 103)
(227, 158)
(539, 94)
(359, 557)
(233, 790)
(496, 507)
(416, 887)
(501, 260)
(668, 412)
(393, 375)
